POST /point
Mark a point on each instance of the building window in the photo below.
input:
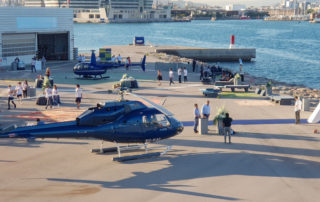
(97, 16)
(91, 16)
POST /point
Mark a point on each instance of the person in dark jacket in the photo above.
(227, 128)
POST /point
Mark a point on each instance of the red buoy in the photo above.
(232, 39)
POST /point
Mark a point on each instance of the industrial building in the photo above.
(76, 4)
(136, 11)
(28, 32)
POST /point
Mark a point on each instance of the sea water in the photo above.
(286, 51)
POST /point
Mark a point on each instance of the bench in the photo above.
(223, 83)
(232, 87)
(282, 99)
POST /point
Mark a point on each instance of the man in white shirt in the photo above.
(297, 109)
(113, 59)
(185, 75)
(179, 74)
(206, 110)
(171, 77)
(78, 96)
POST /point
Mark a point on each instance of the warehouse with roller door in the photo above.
(28, 32)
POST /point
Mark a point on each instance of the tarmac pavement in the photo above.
(265, 162)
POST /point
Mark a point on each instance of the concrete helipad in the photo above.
(265, 162)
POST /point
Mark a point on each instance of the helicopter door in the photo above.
(129, 128)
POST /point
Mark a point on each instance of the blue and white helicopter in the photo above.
(120, 121)
(94, 68)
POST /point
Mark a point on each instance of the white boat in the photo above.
(316, 20)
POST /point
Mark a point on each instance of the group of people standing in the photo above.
(19, 91)
(180, 71)
(52, 96)
(117, 59)
(33, 63)
(205, 112)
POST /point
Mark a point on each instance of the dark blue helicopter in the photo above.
(94, 68)
(117, 121)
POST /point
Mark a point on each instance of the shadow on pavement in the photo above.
(207, 165)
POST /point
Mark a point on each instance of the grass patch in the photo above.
(237, 95)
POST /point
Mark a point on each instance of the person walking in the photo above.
(10, 97)
(194, 63)
(196, 118)
(78, 95)
(297, 109)
(179, 74)
(48, 93)
(206, 110)
(159, 77)
(25, 88)
(18, 90)
(171, 77)
(55, 96)
(185, 74)
(227, 127)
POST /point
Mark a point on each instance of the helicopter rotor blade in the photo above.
(158, 107)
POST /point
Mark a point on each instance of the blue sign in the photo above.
(139, 40)
(36, 22)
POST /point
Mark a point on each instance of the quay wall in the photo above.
(212, 55)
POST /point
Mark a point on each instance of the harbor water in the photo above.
(286, 51)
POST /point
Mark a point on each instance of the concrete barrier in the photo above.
(212, 55)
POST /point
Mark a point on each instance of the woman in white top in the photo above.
(48, 93)
(10, 97)
(78, 96)
(55, 96)
(25, 88)
(19, 92)
(185, 75)
(171, 77)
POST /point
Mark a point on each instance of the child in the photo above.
(55, 95)
(19, 92)
(78, 96)
(10, 97)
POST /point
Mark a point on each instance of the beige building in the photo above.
(26, 32)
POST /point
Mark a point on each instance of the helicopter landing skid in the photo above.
(120, 149)
(140, 156)
(92, 77)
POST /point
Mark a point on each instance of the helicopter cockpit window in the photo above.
(77, 66)
(156, 119)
